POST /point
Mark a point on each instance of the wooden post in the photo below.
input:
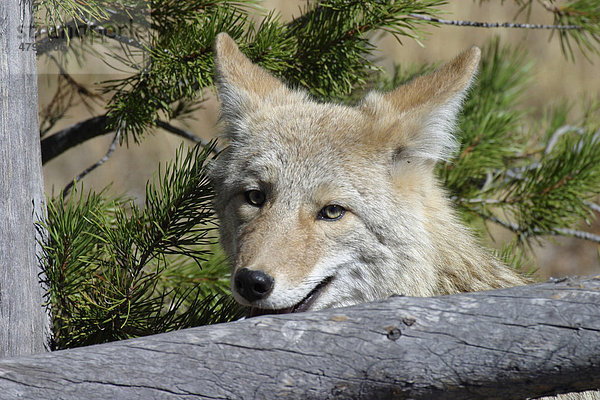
(23, 320)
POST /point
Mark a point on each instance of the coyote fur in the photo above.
(327, 205)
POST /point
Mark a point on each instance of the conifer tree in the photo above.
(117, 270)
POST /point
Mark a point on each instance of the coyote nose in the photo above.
(253, 285)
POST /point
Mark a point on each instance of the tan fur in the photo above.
(399, 235)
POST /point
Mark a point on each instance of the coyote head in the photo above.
(325, 205)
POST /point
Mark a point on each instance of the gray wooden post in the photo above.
(23, 320)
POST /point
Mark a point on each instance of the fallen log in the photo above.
(513, 343)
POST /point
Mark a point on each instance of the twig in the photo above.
(185, 134)
(517, 172)
(558, 133)
(549, 7)
(557, 10)
(92, 167)
(493, 24)
(593, 206)
(553, 232)
(576, 234)
(477, 200)
(57, 108)
(80, 88)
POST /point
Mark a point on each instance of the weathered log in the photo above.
(24, 327)
(512, 343)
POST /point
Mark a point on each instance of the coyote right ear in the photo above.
(240, 82)
(426, 108)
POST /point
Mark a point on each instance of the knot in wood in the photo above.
(393, 333)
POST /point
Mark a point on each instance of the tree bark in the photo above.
(58, 143)
(511, 344)
(61, 141)
(23, 320)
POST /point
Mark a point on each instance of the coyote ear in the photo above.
(423, 111)
(240, 82)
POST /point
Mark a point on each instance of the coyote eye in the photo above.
(331, 212)
(255, 197)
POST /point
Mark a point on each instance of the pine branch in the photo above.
(61, 141)
(494, 24)
(332, 47)
(324, 51)
(554, 232)
(577, 21)
(57, 11)
(592, 206)
(117, 271)
(180, 64)
(559, 133)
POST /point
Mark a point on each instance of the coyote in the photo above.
(327, 205)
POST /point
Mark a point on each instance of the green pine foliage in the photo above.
(325, 51)
(331, 46)
(57, 12)
(534, 178)
(115, 269)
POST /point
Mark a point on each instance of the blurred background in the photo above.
(554, 78)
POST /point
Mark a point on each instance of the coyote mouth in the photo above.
(301, 306)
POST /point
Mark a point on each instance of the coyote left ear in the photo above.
(241, 82)
(423, 111)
